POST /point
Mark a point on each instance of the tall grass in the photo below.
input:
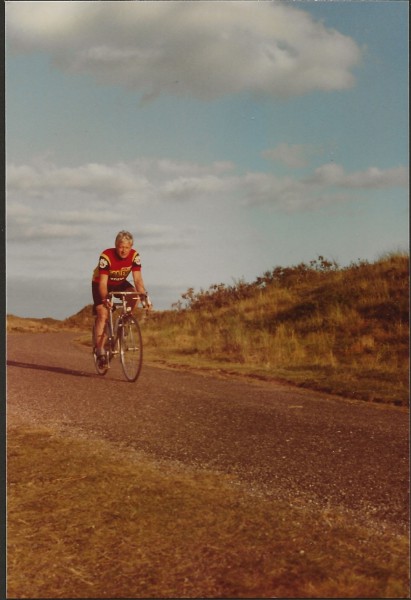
(344, 330)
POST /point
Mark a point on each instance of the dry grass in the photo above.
(21, 325)
(86, 520)
(342, 331)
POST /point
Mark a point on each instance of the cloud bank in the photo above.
(47, 201)
(291, 155)
(186, 49)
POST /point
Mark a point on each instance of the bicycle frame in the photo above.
(112, 328)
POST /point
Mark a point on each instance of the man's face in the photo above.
(123, 249)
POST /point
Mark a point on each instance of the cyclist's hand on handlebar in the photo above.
(146, 302)
(108, 302)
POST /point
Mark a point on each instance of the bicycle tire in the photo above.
(99, 370)
(131, 347)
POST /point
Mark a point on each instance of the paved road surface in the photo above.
(297, 445)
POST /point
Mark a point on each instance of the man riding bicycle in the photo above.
(110, 275)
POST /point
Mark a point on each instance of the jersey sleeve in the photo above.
(104, 264)
(136, 264)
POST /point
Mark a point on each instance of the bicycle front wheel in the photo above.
(131, 347)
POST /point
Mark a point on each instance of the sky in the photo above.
(228, 137)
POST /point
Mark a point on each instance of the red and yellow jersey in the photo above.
(117, 269)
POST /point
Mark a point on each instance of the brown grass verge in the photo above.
(89, 520)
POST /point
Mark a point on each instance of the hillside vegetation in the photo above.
(342, 330)
(24, 325)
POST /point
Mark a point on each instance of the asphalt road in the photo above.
(304, 447)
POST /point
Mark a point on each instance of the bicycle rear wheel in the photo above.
(131, 347)
(100, 370)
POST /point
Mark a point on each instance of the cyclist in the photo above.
(110, 275)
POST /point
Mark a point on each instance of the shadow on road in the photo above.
(23, 365)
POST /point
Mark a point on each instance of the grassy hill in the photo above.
(26, 325)
(340, 330)
(81, 321)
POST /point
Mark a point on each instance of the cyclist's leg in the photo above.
(101, 319)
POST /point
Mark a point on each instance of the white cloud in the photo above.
(88, 217)
(187, 48)
(186, 168)
(283, 193)
(165, 237)
(372, 178)
(139, 182)
(378, 178)
(292, 155)
(145, 182)
(20, 212)
(287, 194)
(195, 188)
(43, 231)
(119, 180)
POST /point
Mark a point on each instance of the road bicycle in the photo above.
(123, 337)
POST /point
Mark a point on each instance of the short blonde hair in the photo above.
(124, 235)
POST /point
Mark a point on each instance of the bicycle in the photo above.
(123, 337)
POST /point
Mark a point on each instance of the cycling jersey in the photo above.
(117, 269)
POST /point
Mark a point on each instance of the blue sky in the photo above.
(227, 141)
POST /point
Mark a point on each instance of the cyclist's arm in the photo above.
(103, 285)
(138, 282)
(140, 288)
